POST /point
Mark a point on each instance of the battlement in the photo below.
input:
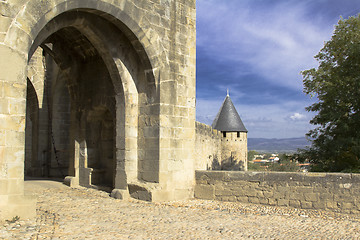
(234, 136)
(207, 130)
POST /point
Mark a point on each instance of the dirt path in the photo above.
(81, 213)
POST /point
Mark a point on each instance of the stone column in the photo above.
(177, 106)
(13, 202)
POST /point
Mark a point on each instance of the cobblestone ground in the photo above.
(81, 213)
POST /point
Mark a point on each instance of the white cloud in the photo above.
(297, 116)
(276, 43)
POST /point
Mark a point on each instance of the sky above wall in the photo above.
(257, 49)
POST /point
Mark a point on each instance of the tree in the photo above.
(336, 85)
(251, 155)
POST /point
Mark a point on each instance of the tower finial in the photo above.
(227, 92)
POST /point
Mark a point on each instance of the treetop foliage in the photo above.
(336, 85)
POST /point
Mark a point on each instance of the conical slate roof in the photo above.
(228, 119)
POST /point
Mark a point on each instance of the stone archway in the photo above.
(75, 42)
(32, 167)
(147, 54)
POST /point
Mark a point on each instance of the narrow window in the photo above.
(238, 134)
(224, 134)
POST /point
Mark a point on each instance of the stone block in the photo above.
(264, 201)
(2, 37)
(120, 194)
(14, 138)
(15, 170)
(223, 192)
(301, 189)
(71, 181)
(242, 199)
(3, 187)
(345, 185)
(283, 202)
(201, 177)
(168, 91)
(346, 205)
(268, 194)
(311, 197)
(326, 196)
(259, 194)
(251, 192)
(15, 90)
(150, 132)
(175, 165)
(4, 106)
(355, 178)
(138, 192)
(306, 205)
(162, 195)
(296, 196)
(355, 190)
(150, 176)
(226, 198)
(216, 176)
(2, 137)
(272, 201)
(319, 205)
(15, 65)
(294, 203)
(14, 155)
(5, 23)
(279, 195)
(339, 196)
(15, 123)
(183, 194)
(279, 177)
(244, 176)
(354, 211)
(205, 192)
(331, 204)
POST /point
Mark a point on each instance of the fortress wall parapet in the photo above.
(338, 192)
(206, 130)
(207, 146)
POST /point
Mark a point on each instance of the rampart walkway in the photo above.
(65, 213)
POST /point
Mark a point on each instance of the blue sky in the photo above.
(256, 49)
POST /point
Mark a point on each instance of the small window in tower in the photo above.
(224, 134)
(238, 134)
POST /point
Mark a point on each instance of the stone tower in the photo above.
(234, 137)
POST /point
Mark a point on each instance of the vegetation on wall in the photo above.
(336, 85)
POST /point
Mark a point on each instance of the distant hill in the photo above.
(277, 145)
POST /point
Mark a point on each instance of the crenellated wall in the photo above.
(214, 151)
(207, 147)
(338, 192)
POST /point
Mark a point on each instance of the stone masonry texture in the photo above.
(100, 92)
(337, 192)
(214, 151)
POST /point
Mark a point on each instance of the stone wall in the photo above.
(213, 151)
(131, 60)
(338, 192)
(234, 151)
(207, 147)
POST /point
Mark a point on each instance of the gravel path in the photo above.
(81, 213)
